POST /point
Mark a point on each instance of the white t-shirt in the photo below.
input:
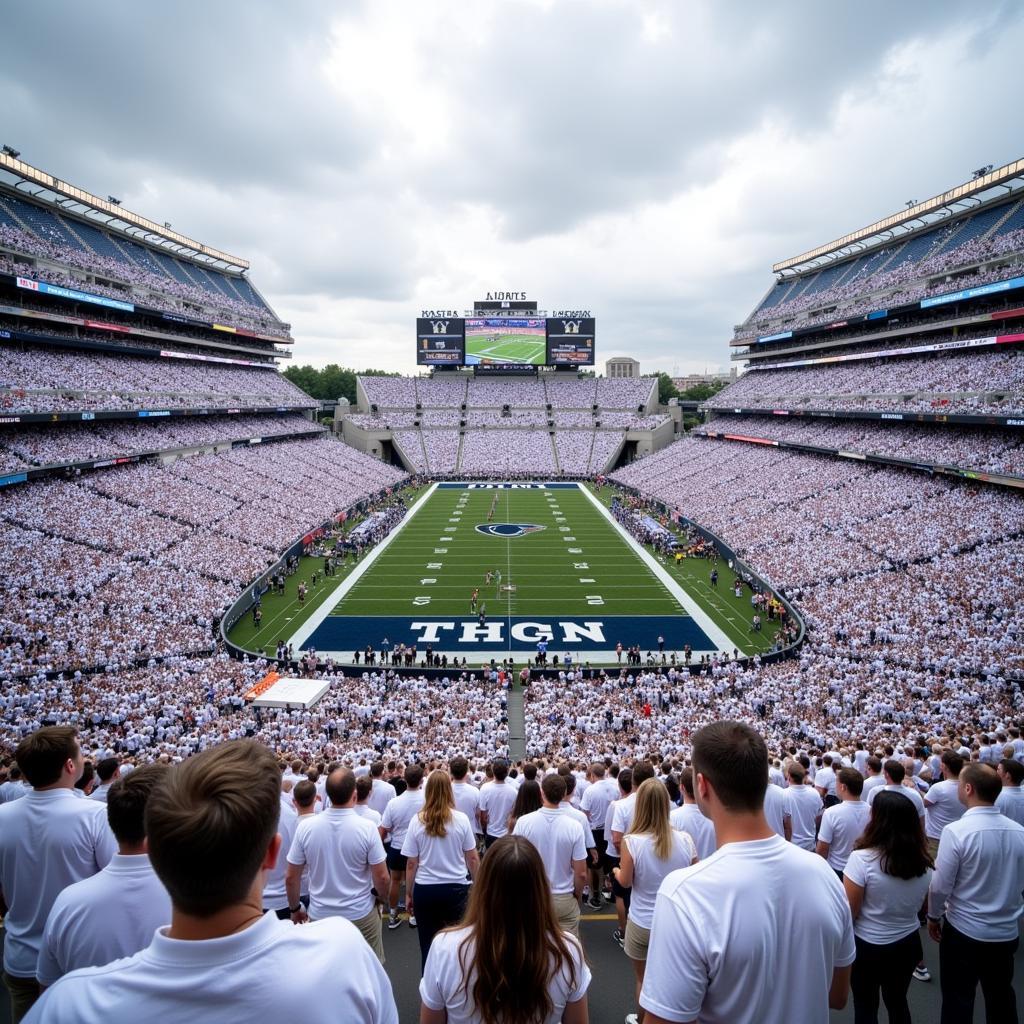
(497, 800)
(750, 935)
(441, 987)
(804, 804)
(776, 808)
(594, 802)
(588, 832)
(841, 826)
(339, 847)
(274, 895)
(871, 782)
(559, 839)
(911, 794)
(690, 819)
(381, 795)
(367, 812)
(104, 917)
(48, 840)
(467, 800)
(825, 779)
(941, 807)
(399, 812)
(442, 859)
(616, 815)
(649, 872)
(321, 973)
(891, 905)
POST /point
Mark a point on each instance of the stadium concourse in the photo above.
(125, 542)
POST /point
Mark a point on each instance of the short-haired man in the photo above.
(211, 828)
(894, 773)
(49, 839)
(467, 796)
(275, 898)
(108, 770)
(382, 792)
(759, 931)
(874, 777)
(594, 804)
(345, 860)
(942, 802)
(113, 913)
(561, 843)
(804, 805)
(496, 800)
(1011, 798)
(393, 827)
(843, 823)
(364, 793)
(690, 819)
(974, 902)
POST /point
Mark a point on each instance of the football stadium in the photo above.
(632, 693)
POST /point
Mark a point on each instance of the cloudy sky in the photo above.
(646, 159)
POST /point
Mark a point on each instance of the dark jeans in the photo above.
(884, 969)
(966, 962)
(436, 907)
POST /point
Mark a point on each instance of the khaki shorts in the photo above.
(636, 941)
(933, 847)
(370, 928)
(567, 910)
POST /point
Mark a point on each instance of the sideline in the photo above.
(305, 631)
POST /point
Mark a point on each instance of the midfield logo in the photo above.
(508, 529)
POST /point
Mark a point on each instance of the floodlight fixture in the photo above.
(11, 152)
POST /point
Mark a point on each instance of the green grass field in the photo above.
(506, 348)
(577, 568)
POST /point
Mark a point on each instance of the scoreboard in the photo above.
(570, 341)
(440, 342)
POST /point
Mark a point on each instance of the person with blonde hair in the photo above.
(508, 962)
(440, 847)
(650, 850)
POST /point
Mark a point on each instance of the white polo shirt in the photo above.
(911, 794)
(750, 935)
(398, 813)
(1011, 803)
(339, 847)
(497, 800)
(102, 918)
(321, 973)
(381, 795)
(48, 840)
(690, 819)
(559, 839)
(941, 806)
(842, 825)
(804, 804)
(442, 986)
(442, 859)
(890, 907)
(467, 800)
(979, 875)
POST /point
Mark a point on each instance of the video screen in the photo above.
(440, 342)
(570, 341)
(506, 341)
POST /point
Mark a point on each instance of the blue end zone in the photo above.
(582, 634)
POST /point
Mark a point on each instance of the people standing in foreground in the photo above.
(760, 932)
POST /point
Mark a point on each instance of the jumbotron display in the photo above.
(505, 341)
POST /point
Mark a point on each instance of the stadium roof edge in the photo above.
(26, 172)
(970, 188)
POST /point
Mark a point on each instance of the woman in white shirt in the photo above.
(649, 851)
(886, 881)
(508, 962)
(440, 848)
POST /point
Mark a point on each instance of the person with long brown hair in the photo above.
(886, 880)
(528, 800)
(441, 849)
(650, 850)
(508, 962)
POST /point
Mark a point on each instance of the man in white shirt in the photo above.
(48, 839)
(942, 802)
(15, 787)
(874, 776)
(594, 804)
(467, 796)
(108, 771)
(894, 773)
(364, 793)
(275, 899)
(113, 913)
(383, 792)
(759, 931)
(804, 806)
(345, 860)
(496, 801)
(690, 819)
(825, 782)
(393, 826)
(211, 829)
(843, 823)
(1011, 798)
(561, 843)
(974, 902)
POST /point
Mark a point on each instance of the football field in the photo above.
(561, 571)
(505, 348)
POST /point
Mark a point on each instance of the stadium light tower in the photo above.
(910, 203)
(114, 200)
(982, 171)
(11, 152)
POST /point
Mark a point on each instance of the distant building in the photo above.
(621, 366)
(693, 380)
